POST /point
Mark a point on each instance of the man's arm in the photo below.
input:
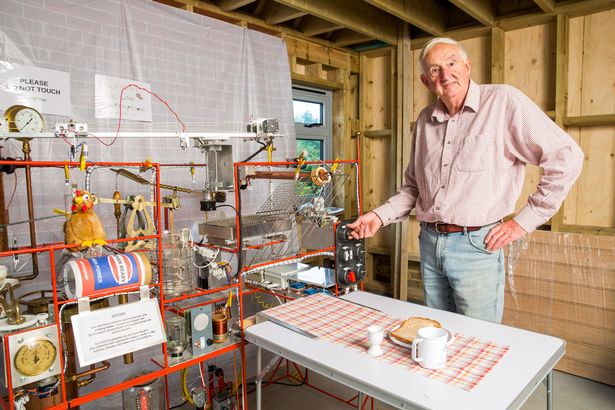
(394, 209)
(536, 139)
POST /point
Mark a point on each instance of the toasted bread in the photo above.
(408, 330)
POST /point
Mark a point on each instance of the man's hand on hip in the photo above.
(503, 234)
(365, 226)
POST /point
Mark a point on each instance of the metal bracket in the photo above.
(83, 304)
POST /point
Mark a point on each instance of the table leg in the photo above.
(360, 401)
(258, 379)
(550, 390)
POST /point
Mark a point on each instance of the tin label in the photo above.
(110, 272)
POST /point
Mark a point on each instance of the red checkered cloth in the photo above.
(469, 359)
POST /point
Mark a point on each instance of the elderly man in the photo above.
(466, 172)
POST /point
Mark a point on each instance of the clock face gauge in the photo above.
(28, 120)
(24, 119)
(35, 357)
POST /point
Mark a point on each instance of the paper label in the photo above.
(47, 91)
(105, 333)
(136, 103)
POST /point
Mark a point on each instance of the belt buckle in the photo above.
(436, 226)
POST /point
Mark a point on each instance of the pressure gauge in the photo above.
(24, 119)
(35, 357)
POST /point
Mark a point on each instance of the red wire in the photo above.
(119, 121)
(14, 189)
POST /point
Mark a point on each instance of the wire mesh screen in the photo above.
(297, 216)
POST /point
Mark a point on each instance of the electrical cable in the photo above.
(261, 149)
(184, 377)
(230, 206)
(13, 194)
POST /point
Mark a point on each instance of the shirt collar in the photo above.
(472, 101)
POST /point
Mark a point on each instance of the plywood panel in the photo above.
(596, 187)
(598, 90)
(588, 370)
(574, 314)
(380, 68)
(421, 97)
(598, 278)
(565, 292)
(530, 63)
(479, 53)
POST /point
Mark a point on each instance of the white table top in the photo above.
(508, 385)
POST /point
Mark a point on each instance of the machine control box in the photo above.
(349, 257)
(200, 328)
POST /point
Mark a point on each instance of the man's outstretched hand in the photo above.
(365, 226)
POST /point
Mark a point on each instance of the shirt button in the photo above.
(437, 208)
(442, 187)
(446, 165)
(448, 142)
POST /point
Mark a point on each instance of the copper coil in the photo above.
(220, 327)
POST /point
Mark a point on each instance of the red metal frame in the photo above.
(51, 248)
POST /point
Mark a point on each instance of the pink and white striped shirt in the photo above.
(469, 169)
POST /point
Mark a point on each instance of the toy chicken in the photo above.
(83, 227)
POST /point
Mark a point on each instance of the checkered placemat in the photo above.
(469, 359)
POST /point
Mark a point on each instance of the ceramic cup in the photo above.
(375, 336)
(429, 348)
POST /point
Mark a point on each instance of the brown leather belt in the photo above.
(442, 227)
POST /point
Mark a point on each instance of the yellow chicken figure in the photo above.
(83, 226)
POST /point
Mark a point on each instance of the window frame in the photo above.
(323, 132)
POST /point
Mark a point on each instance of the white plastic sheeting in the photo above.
(214, 75)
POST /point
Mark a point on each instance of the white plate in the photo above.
(409, 345)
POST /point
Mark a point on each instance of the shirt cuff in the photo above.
(528, 219)
(386, 213)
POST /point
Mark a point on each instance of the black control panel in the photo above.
(349, 256)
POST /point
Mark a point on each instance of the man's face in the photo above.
(447, 74)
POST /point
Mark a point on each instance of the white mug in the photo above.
(429, 348)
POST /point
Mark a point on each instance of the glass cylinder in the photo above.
(176, 335)
(179, 272)
(145, 396)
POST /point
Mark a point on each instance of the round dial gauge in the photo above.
(35, 357)
(24, 119)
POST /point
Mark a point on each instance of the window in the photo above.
(312, 113)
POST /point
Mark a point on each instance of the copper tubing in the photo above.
(128, 357)
(117, 211)
(278, 175)
(26, 156)
(4, 218)
(92, 373)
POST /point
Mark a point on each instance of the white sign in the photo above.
(106, 333)
(136, 102)
(47, 91)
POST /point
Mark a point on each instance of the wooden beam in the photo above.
(457, 34)
(546, 5)
(378, 133)
(314, 26)
(497, 55)
(278, 13)
(254, 23)
(355, 15)
(345, 37)
(230, 5)
(589, 120)
(561, 91)
(317, 82)
(428, 15)
(481, 10)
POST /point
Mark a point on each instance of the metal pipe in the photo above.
(4, 217)
(278, 175)
(26, 155)
(92, 373)
(128, 357)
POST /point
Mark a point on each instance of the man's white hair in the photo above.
(434, 42)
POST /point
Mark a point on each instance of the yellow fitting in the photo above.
(270, 150)
(83, 157)
(66, 175)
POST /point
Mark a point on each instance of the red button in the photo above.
(351, 277)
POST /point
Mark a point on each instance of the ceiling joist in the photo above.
(481, 10)
(314, 26)
(355, 15)
(428, 15)
(230, 5)
(278, 13)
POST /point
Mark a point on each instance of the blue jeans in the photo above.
(460, 275)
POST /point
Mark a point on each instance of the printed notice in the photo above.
(106, 333)
(47, 91)
(136, 102)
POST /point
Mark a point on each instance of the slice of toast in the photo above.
(408, 330)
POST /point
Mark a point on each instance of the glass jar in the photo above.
(178, 270)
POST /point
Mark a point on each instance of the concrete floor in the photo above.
(570, 393)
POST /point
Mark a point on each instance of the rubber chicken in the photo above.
(83, 226)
